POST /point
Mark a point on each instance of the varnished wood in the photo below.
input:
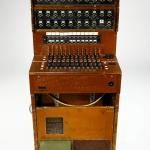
(79, 123)
(74, 83)
(67, 81)
(116, 110)
(92, 145)
(34, 117)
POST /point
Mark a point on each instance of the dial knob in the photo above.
(79, 23)
(63, 23)
(40, 23)
(87, 13)
(108, 56)
(48, 23)
(109, 13)
(40, 13)
(111, 83)
(94, 14)
(55, 14)
(86, 23)
(62, 13)
(70, 13)
(94, 23)
(55, 23)
(102, 13)
(109, 24)
(79, 13)
(48, 13)
(70, 24)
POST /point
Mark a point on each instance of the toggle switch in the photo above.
(70, 13)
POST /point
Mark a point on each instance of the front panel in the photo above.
(75, 18)
(44, 41)
(74, 84)
(68, 125)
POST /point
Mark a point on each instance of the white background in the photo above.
(16, 52)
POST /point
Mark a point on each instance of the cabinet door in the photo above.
(75, 123)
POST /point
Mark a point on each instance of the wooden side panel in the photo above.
(116, 110)
(34, 118)
(79, 122)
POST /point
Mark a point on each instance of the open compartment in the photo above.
(55, 145)
(82, 99)
(75, 145)
(82, 119)
(92, 145)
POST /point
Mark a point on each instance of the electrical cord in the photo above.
(57, 100)
(30, 109)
